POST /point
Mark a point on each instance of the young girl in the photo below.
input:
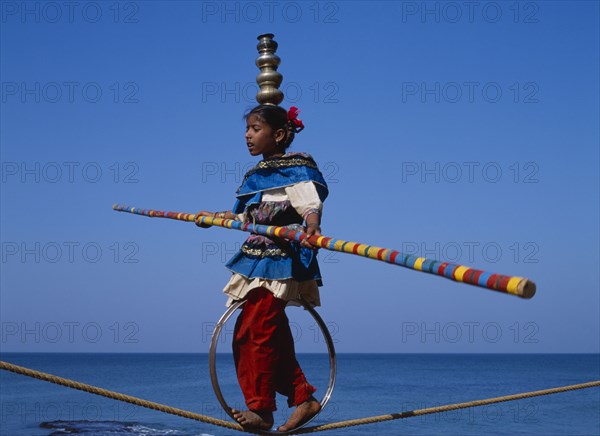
(283, 189)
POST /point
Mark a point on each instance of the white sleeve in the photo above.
(304, 198)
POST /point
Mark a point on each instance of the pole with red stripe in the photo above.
(519, 286)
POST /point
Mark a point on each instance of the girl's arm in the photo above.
(228, 215)
(313, 227)
(305, 199)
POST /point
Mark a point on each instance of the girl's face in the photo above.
(261, 139)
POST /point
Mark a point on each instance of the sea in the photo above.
(366, 385)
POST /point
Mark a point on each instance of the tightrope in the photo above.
(234, 426)
(117, 396)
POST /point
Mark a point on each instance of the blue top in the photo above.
(276, 259)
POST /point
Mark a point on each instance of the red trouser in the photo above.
(263, 350)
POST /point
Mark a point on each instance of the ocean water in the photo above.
(367, 385)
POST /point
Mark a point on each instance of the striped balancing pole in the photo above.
(518, 286)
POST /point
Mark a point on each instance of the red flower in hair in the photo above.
(293, 118)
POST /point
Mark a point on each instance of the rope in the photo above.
(117, 396)
(447, 408)
(233, 426)
(518, 286)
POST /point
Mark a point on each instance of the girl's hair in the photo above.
(277, 118)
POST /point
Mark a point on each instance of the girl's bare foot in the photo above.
(302, 414)
(251, 419)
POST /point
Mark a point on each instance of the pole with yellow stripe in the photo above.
(518, 286)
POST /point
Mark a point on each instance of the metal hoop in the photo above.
(212, 358)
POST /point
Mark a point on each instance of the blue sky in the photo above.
(453, 130)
